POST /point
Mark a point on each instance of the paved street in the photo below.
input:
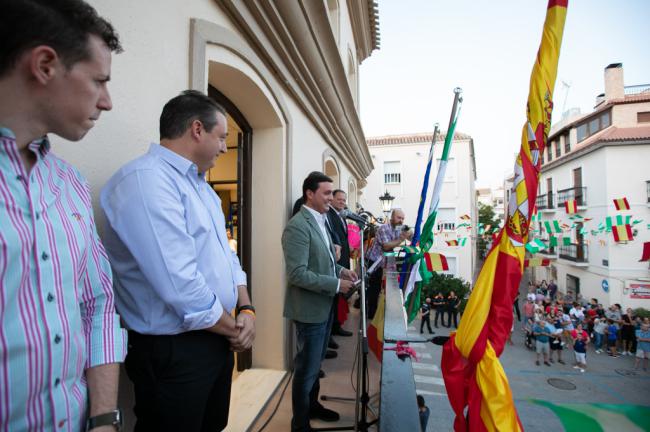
(607, 380)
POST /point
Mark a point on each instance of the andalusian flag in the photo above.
(537, 262)
(566, 241)
(462, 241)
(595, 417)
(419, 274)
(571, 206)
(476, 383)
(621, 204)
(436, 262)
(622, 233)
(552, 241)
(552, 226)
(535, 246)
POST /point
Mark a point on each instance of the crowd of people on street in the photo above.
(553, 324)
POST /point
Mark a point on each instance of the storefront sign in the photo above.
(640, 291)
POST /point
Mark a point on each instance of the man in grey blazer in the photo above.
(313, 278)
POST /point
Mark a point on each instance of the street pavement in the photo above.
(607, 380)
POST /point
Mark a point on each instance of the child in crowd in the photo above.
(599, 334)
(611, 332)
(580, 341)
(643, 346)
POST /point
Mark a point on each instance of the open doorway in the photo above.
(230, 178)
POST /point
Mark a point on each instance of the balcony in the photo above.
(576, 193)
(550, 252)
(578, 254)
(545, 202)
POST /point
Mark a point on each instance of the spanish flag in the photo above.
(436, 262)
(476, 383)
(621, 204)
(451, 242)
(571, 206)
(622, 233)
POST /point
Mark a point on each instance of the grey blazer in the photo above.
(311, 278)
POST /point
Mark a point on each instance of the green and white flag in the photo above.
(462, 241)
(552, 241)
(552, 226)
(566, 241)
(596, 417)
(535, 246)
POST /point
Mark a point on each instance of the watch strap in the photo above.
(112, 418)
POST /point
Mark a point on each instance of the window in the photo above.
(594, 125)
(542, 159)
(643, 117)
(392, 172)
(549, 153)
(558, 150)
(567, 144)
(446, 219)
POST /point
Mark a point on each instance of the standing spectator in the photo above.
(542, 332)
(643, 346)
(599, 334)
(60, 338)
(529, 309)
(627, 332)
(439, 304)
(580, 341)
(556, 344)
(577, 314)
(424, 413)
(452, 309)
(425, 310)
(515, 306)
(552, 290)
(611, 332)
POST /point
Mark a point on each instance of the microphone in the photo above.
(347, 214)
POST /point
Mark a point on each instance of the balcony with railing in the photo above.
(545, 202)
(578, 254)
(551, 252)
(575, 193)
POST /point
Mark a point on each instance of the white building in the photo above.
(400, 162)
(599, 157)
(288, 75)
(493, 197)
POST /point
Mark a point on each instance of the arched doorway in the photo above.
(332, 170)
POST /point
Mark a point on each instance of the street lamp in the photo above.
(386, 203)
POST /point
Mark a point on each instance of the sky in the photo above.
(429, 47)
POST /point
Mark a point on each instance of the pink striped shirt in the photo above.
(57, 316)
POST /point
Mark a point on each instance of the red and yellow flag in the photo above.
(451, 242)
(622, 233)
(436, 262)
(621, 204)
(473, 375)
(571, 206)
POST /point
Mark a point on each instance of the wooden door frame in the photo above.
(244, 179)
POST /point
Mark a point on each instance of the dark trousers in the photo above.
(515, 305)
(439, 314)
(182, 382)
(426, 319)
(452, 314)
(372, 293)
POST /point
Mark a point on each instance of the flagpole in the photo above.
(425, 187)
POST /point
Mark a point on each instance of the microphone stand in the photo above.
(362, 397)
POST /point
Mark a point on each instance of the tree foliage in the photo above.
(444, 284)
(486, 217)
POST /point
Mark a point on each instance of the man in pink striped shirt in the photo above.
(60, 339)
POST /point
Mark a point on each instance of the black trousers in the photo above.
(439, 314)
(452, 314)
(182, 382)
(372, 293)
(426, 319)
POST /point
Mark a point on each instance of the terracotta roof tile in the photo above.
(413, 138)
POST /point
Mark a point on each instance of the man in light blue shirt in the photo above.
(176, 278)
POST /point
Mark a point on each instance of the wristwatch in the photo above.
(113, 418)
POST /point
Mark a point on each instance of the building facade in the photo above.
(595, 159)
(400, 162)
(288, 75)
(493, 197)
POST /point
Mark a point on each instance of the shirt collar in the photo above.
(182, 165)
(320, 218)
(40, 146)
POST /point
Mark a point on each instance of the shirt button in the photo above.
(44, 256)
(57, 382)
(57, 339)
(38, 215)
(50, 297)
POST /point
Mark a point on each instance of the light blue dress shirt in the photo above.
(166, 239)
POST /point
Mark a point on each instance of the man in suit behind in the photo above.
(340, 236)
(313, 278)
